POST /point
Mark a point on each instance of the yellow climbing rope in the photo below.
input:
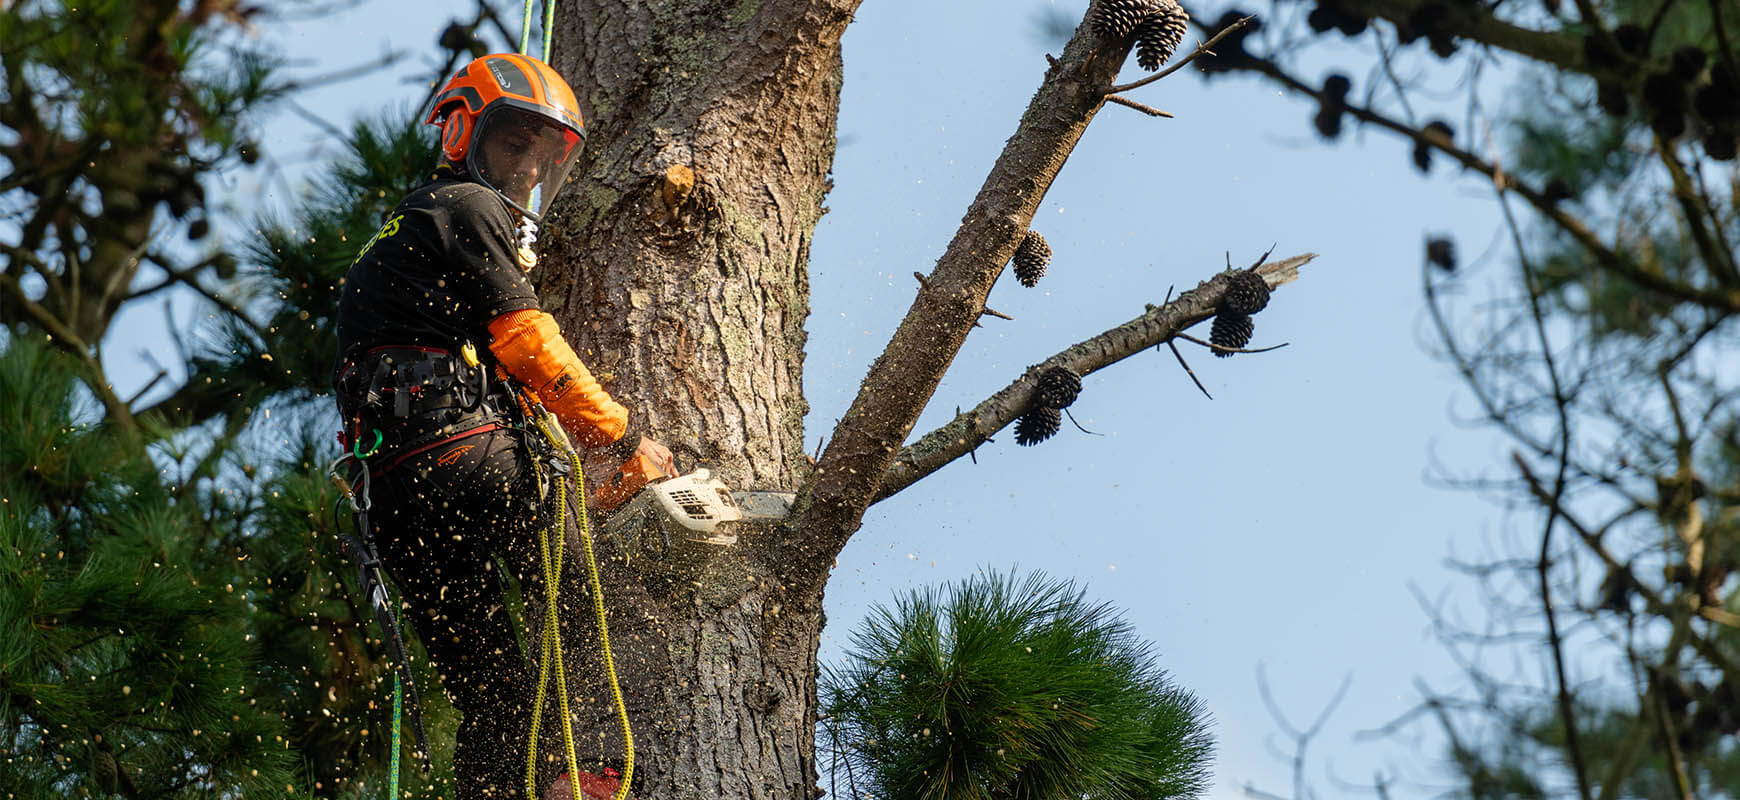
(551, 648)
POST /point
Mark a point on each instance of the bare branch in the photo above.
(146, 389)
(1711, 243)
(970, 429)
(1221, 348)
(1187, 370)
(1543, 564)
(1142, 107)
(1301, 739)
(1202, 49)
(1725, 299)
(1670, 743)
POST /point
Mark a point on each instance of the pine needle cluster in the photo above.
(129, 661)
(1003, 687)
(175, 617)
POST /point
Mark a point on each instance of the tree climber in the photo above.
(456, 474)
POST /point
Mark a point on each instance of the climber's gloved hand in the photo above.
(658, 454)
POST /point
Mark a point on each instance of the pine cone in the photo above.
(1441, 252)
(1437, 132)
(1721, 145)
(1231, 330)
(1116, 19)
(1031, 258)
(1246, 293)
(105, 769)
(1037, 425)
(1158, 35)
(1058, 387)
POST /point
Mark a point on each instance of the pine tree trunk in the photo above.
(688, 302)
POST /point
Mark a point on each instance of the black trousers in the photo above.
(441, 519)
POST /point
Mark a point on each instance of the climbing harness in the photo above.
(373, 585)
(420, 383)
(565, 463)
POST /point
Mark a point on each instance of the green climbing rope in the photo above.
(526, 28)
(398, 699)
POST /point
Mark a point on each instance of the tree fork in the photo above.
(831, 505)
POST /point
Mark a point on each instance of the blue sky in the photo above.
(1280, 524)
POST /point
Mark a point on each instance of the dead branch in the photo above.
(1202, 49)
(1185, 365)
(1719, 299)
(1158, 324)
(1142, 107)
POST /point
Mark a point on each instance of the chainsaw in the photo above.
(697, 500)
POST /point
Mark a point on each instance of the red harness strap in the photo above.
(400, 458)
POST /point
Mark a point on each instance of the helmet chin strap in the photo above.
(527, 252)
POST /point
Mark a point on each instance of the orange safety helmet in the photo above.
(513, 123)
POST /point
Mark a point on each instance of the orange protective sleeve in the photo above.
(530, 347)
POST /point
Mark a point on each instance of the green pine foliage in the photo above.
(328, 660)
(127, 661)
(176, 618)
(1005, 688)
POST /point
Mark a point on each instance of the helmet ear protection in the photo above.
(455, 136)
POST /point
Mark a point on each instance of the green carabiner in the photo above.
(356, 447)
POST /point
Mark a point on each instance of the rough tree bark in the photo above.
(688, 299)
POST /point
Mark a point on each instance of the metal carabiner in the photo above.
(359, 501)
(358, 495)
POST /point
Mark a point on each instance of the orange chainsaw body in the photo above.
(631, 477)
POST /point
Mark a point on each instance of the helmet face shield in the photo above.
(524, 156)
